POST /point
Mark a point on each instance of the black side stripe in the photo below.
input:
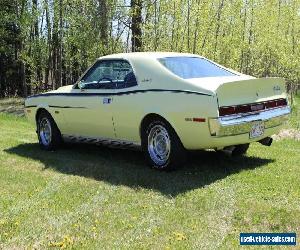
(66, 107)
(54, 106)
(122, 93)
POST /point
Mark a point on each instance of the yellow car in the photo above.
(162, 103)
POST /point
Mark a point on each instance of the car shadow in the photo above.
(125, 167)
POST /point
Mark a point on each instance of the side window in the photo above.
(109, 74)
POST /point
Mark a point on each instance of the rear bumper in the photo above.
(242, 124)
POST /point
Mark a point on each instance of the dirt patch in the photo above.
(12, 106)
(287, 134)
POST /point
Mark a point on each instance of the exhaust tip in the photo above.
(266, 141)
(228, 150)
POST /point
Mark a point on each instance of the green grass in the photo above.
(94, 197)
(294, 121)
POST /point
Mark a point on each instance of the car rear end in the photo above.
(249, 110)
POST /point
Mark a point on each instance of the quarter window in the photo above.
(111, 74)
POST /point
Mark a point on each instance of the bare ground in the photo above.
(12, 106)
(287, 134)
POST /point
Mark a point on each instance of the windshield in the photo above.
(193, 67)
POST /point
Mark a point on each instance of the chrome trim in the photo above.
(45, 131)
(159, 145)
(114, 143)
(242, 123)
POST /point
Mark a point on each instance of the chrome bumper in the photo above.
(242, 123)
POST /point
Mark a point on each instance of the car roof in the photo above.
(153, 55)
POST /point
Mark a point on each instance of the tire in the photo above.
(162, 147)
(48, 133)
(240, 149)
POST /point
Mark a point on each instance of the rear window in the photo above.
(193, 67)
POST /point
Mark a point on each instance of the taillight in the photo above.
(243, 109)
(271, 104)
(227, 111)
(253, 107)
(281, 102)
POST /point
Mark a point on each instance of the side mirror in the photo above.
(81, 85)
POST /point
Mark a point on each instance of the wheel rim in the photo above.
(159, 144)
(45, 131)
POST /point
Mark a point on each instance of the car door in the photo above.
(89, 111)
(127, 103)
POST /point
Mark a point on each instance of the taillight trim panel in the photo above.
(251, 107)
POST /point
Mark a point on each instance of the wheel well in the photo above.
(39, 111)
(152, 117)
(147, 119)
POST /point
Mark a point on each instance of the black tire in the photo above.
(177, 153)
(55, 138)
(240, 150)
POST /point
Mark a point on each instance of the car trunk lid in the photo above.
(243, 89)
(250, 91)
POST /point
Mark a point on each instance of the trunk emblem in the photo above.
(276, 88)
(257, 107)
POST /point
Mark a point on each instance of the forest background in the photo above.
(45, 44)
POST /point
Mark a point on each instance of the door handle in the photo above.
(107, 100)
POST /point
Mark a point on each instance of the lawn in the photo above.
(294, 121)
(94, 197)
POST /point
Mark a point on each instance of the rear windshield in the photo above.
(193, 67)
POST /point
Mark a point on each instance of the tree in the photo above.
(136, 30)
(46, 44)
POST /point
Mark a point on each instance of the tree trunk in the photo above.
(136, 29)
(103, 15)
(173, 26)
(23, 77)
(188, 25)
(60, 54)
(55, 48)
(244, 35)
(36, 41)
(155, 25)
(196, 27)
(218, 26)
(48, 65)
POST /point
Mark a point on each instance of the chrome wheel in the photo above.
(159, 144)
(45, 131)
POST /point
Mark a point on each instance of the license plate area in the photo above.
(257, 129)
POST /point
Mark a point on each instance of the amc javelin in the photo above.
(162, 103)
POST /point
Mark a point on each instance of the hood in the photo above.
(66, 88)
